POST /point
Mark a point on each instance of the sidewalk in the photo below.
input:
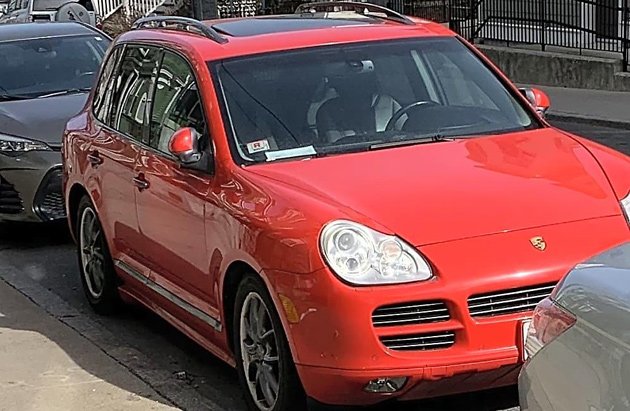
(593, 106)
(45, 365)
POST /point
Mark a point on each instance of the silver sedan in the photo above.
(579, 340)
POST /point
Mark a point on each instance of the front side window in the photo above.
(357, 97)
(176, 103)
(131, 91)
(51, 65)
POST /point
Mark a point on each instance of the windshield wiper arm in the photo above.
(12, 97)
(430, 138)
(64, 92)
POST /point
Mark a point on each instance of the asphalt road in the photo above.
(40, 260)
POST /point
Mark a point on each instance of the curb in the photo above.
(578, 118)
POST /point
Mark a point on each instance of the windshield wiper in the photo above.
(429, 138)
(13, 97)
(65, 92)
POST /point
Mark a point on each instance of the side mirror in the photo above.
(184, 144)
(538, 99)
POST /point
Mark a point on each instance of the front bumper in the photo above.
(338, 350)
(30, 187)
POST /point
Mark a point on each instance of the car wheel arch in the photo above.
(75, 194)
(234, 275)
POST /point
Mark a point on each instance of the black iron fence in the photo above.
(436, 10)
(602, 25)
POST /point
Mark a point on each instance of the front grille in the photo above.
(410, 313)
(420, 342)
(508, 301)
(49, 201)
(10, 199)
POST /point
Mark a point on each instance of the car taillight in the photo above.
(548, 323)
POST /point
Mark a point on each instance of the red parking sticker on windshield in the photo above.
(258, 146)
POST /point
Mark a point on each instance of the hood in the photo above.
(40, 119)
(438, 192)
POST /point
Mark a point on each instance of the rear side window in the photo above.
(176, 103)
(131, 90)
(104, 91)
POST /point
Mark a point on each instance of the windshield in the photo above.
(37, 67)
(348, 98)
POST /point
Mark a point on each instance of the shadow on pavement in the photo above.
(48, 366)
(45, 254)
(491, 400)
(34, 235)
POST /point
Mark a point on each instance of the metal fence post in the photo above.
(625, 40)
(543, 29)
(473, 27)
(446, 18)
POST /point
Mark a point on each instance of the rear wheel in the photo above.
(98, 276)
(263, 359)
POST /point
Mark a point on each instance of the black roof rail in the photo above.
(181, 24)
(365, 9)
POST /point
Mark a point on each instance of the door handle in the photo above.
(95, 159)
(140, 182)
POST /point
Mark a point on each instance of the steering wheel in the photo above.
(392, 121)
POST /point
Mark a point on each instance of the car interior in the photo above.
(354, 95)
(56, 63)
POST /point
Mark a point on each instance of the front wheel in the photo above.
(263, 359)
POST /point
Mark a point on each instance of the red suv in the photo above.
(345, 203)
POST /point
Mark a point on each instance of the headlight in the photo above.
(14, 145)
(360, 255)
(625, 206)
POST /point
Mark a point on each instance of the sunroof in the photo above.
(277, 24)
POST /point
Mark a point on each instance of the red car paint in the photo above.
(473, 221)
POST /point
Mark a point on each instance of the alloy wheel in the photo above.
(259, 352)
(92, 255)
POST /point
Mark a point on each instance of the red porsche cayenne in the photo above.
(346, 204)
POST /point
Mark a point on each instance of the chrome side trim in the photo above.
(213, 322)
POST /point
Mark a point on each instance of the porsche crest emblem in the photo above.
(538, 243)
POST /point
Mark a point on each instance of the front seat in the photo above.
(358, 108)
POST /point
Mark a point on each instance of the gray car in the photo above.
(579, 340)
(46, 70)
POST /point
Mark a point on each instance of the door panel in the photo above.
(117, 211)
(171, 211)
(112, 161)
(171, 219)
(123, 108)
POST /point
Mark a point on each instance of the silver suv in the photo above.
(23, 11)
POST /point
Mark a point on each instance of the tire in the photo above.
(99, 279)
(289, 395)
